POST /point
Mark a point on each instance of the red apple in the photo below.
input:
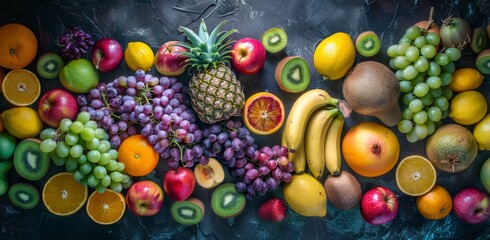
(472, 205)
(169, 61)
(379, 205)
(144, 198)
(248, 56)
(107, 54)
(179, 183)
(55, 105)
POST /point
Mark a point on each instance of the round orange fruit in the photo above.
(435, 204)
(263, 113)
(63, 195)
(21, 87)
(107, 207)
(415, 175)
(138, 155)
(18, 46)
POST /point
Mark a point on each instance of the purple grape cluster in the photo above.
(155, 107)
(75, 43)
(256, 170)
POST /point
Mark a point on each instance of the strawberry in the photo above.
(273, 210)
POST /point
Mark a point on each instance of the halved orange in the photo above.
(415, 175)
(436, 204)
(263, 113)
(2, 76)
(107, 207)
(21, 87)
(63, 195)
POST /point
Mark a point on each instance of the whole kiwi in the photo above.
(372, 89)
(343, 191)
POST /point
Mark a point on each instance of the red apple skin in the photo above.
(107, 54)
(248, 56)
(379, 205)
(179, 183)
(55, 105)
(168, 60)
(144, 198)
(472, 205)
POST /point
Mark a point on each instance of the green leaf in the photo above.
(203, 31)
(192, 36)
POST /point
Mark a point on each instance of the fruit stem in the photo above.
(344, 108)
(431, 20)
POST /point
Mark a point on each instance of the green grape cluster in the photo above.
(83, 148)
(425, 74)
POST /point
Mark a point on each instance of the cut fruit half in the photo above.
(415, 175)
(483, 61)
(263, 113)
(63, 195)
(21, 87)
(293, 74)
(107, 207)
(478, 40)
(49, 65)
(209, 175)
(274, 40)
(368, 44)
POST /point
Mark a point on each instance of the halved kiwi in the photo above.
(478, 40)
(188, 212)
(24, 195)
(49, 65)
(275, 40)
(368, 44)
(293, 74)
(226, 201)
(483, 61)
(29, 161)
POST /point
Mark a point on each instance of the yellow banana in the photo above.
(333, 156)
(301, 111)
(316, 132)
(298, 158)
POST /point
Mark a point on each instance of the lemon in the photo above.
(334, 56)
(482, 133)
(138, 55)
(306, 195)
(22, 122)
(468, 107)
(466, 79)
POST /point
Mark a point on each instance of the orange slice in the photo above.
(2, 76)
(415, 175)
(21, 87)
(436, 204)
(263, 113)
(63, 195)
(107, 207)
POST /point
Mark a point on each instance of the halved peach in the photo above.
(210, 175)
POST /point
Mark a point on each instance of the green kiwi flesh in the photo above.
(483, 62)
(29, 161)
(188, 212)
(275, 40)
(226, 201)
(368, 44)
(478, 40)
(49, 65)
(293, 74)
(24, 195)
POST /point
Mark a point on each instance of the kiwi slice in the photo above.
(24, 195)
(275, 40)
(368, 44)
(226, 201)
(188, 212)
(293, 74)
(49, 65)
(483, 61)
(478, 40)
(29, 161)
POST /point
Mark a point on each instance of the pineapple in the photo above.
(215, 92)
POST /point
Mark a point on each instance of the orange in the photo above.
(138, 155)
(466, 79)
(415, 175)
(435, 204)
(107, 207)
(2, 76)
(21, 87)
(18, 46)
(263, 113)
(63, 195)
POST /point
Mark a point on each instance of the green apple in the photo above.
(485, 175)
(79, 76)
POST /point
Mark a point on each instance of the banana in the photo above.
(332, 149)
(302, 109)
(298, 158)
(316, 132)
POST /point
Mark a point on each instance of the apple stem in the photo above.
(97, 65)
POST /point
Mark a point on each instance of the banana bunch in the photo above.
(312, 133)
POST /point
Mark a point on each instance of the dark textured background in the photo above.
(307, 22)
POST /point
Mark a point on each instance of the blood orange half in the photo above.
(263, 113)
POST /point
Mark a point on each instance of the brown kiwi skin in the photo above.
(343, 191)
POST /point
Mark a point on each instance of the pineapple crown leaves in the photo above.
(206, 49)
